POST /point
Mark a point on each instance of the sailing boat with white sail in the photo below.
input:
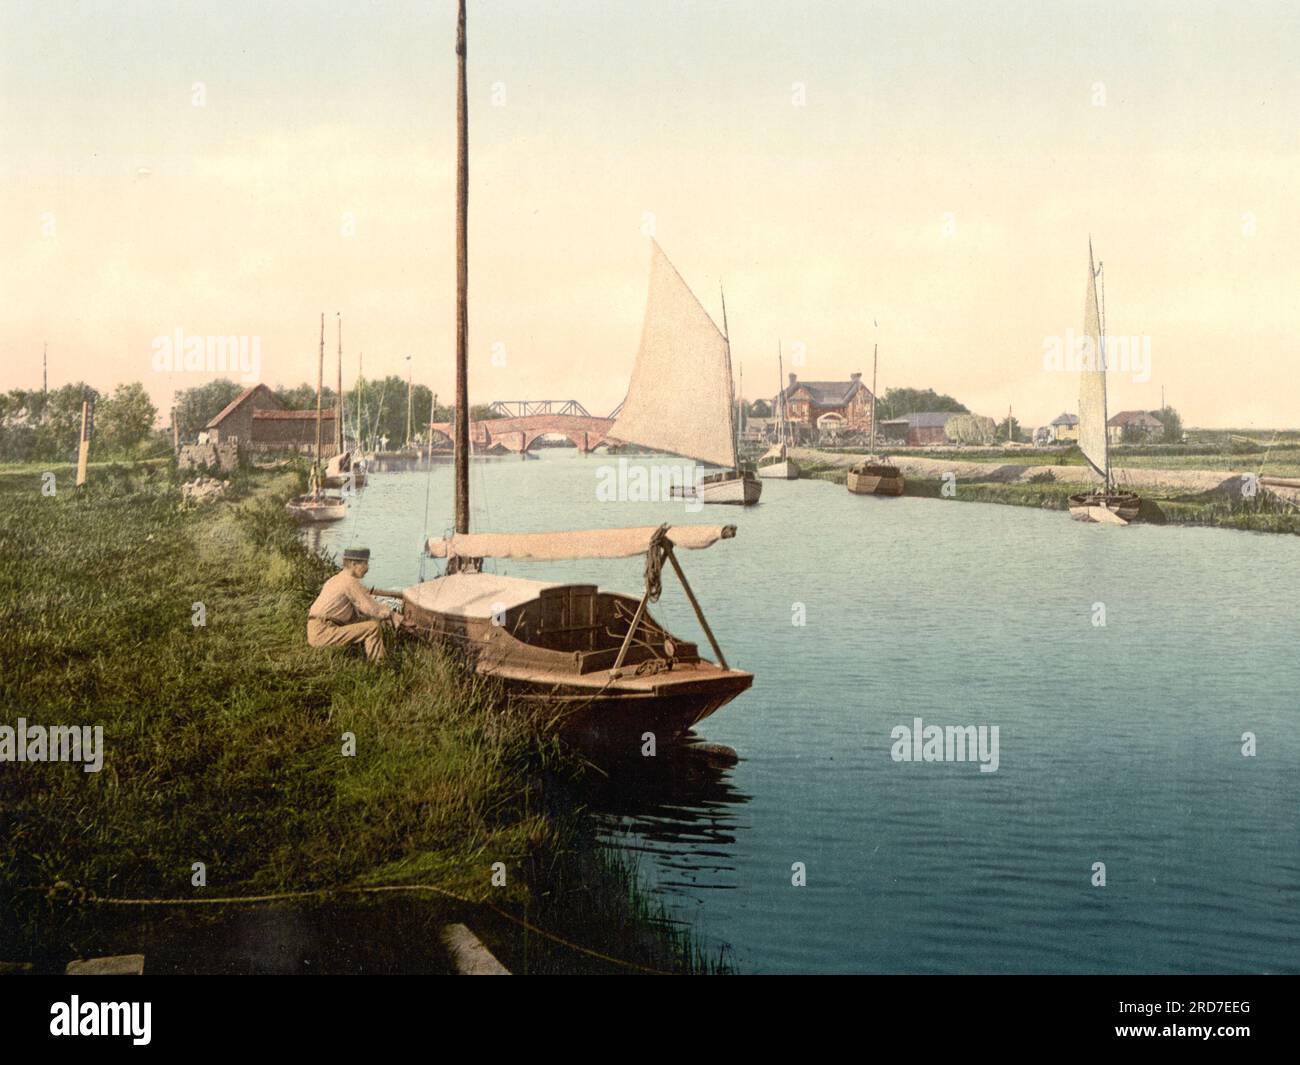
(1108, 505)
(681, 397)
(777, 464)
(594, 665)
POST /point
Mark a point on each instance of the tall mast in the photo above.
(410, 381)
(1099, 295)
(780, 394)
(875, 365)
(45, 369)
(320, 381)
(462, 281)
(338, 399)
(731, 387)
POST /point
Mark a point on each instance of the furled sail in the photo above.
(1092, 381)
(586, 543)
(680, 396)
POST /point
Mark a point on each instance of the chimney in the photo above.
(855, 377)
(793, 380)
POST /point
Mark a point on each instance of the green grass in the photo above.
(223, 741)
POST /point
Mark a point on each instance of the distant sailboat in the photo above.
(681, 398)
(1107, 505)
(345, 467)
(872, 477)
(777, 464)
(317, 506)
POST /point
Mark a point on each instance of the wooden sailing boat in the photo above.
(1106, 505)
(872, 476)
(317, 506)
(345, 467)
(593, 664)
(681, 398)
(776, 463)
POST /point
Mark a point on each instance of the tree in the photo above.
(59, 427)
(125, 419)
(899, 401)
(1000, 433)
(1173, 423)
(197, 406)
(760, 408)
(970, 429)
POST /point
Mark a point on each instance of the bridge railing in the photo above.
(522, 408)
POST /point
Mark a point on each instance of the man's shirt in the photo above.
(343, 600)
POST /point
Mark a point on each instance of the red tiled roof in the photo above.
(236, 403)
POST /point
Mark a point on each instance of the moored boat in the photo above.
(875, 478)
(318, 506)
(777, 464)
(872, 476)
(592, 665)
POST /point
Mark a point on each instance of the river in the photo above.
(1118, 742)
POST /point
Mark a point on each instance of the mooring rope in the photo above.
(654, 561)
(284, 896)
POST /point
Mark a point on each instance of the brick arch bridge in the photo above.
(523, 422)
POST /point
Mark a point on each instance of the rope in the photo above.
(237, 900)
(654, 561)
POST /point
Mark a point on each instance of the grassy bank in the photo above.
(1216, 509)
(223, 745)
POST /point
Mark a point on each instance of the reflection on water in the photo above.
(679, 809)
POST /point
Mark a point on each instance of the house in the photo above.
(1133, 427)
(836, 406)
(920, 429)
(1065, 427)
(257, 421)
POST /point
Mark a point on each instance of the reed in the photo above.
(224, 740)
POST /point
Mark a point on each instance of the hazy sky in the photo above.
(940, 171)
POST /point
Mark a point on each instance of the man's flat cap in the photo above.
(356, 554)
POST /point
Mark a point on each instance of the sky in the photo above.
(923, 176)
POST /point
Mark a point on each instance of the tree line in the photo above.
(40, 426)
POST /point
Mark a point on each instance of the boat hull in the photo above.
(313, 510)
(552, 648)
(1107, 508)
(875, 481)
(786, 470)
(737, 489)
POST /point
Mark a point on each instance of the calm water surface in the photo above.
(1119, 744)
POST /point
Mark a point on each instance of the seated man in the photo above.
(345, 613)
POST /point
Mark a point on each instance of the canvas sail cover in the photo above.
(679, 399)
(587, 543)
(1092, 381)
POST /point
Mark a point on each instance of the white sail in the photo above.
(680, 396)
(1092, 381)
